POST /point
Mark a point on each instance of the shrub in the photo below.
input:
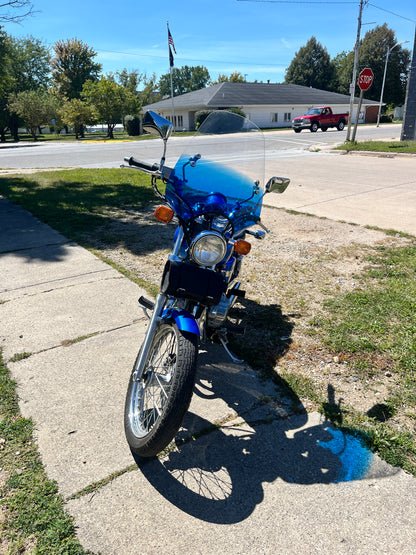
(132, 125)
(386, 119)
(200, 117)
(237, 111)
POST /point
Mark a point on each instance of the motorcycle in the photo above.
(215, 198)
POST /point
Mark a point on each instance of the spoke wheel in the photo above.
(157, 403)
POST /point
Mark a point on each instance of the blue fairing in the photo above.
(183, 319)
(227, 183)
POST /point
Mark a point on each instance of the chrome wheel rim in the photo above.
(149, 395)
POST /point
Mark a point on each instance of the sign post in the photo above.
(365, 80)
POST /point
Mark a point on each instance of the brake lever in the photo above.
(257, 234)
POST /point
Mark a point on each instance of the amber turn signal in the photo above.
(164, 214)
(242, 247)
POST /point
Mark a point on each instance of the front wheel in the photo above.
(314, 127)
(340, 125)
(157, 403)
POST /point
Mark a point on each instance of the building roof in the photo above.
(230, 94)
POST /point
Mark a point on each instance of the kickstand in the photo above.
(224, 341)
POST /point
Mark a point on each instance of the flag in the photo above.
(170, 57)
(170, 41)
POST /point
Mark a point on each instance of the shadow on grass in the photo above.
(109, 207)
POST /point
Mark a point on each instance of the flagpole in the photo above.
(171, 80)
(171, 93)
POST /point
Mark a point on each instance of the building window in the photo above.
(274, 117)
(288, 117)
(177, 120)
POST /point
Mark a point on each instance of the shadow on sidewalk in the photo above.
(95, 215)
(26, 236)
(218, 476)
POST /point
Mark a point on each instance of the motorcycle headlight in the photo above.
(208, 248)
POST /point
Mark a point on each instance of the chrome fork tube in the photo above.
(156, 317)
(156, 314)
(177, 246)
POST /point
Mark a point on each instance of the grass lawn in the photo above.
(32, 515)
(90, 137)
(394, 147)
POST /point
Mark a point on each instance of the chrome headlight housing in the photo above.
(208, 248)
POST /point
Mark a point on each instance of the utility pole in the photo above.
(389, 50)
(354, 73)
(409, 120)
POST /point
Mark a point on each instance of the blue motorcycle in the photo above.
(214, 194)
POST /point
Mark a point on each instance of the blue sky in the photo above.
(257, 38)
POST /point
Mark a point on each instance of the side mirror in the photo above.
(277, 185)
(157, 125)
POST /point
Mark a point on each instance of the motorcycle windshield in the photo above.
(220, 172)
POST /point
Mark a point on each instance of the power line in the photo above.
(326, 2)
(241, 62)
(301, 1)
(392, 13)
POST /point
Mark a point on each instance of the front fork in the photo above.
(156, 316)
(154, 320)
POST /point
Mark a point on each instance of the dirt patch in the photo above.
(287, 278)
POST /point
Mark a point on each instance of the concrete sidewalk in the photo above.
(265, 481)
(367, 190)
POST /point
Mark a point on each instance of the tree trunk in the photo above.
(14, 127)
(110, 131)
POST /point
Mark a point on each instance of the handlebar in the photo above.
(146, 166)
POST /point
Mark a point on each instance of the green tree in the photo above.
(36, 108)
(372, 53)
(111, 100)
(311, 66)
(150, 92)
(73, 65)
(130, 80)
(5, 83)
(24, 66)
(184, 80)
(343, 65)
(76, 113)
(235, 77)
(31, 64)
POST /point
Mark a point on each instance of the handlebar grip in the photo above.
(142, 165)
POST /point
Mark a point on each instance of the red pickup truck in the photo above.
(316, 118)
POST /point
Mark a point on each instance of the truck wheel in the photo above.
(340, 125)
(324, 128)
(297, 130)
(314, 127)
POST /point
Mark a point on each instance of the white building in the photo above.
(266, 104)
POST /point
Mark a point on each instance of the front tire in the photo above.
(314, 127)
(157, 403)
(341, 125)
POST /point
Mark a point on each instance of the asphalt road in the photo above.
(279, 144)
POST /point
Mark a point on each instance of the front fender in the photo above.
(183, 319)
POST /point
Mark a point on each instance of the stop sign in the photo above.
(365, 79)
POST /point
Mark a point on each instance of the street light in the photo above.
(384, 78)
